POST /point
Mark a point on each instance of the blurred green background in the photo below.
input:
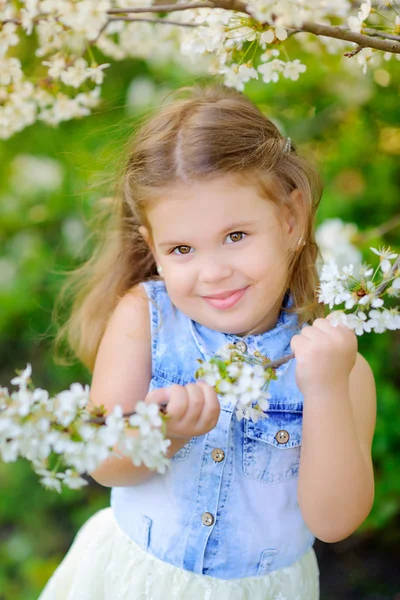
(50, 181)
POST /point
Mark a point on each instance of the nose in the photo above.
(213, 271)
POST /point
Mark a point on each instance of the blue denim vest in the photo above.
(227, 507)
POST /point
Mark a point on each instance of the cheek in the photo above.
(178, 281)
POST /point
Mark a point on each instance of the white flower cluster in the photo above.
(66, 30)
(63, 30)
(364, 297)
(282, 12)
(63, 437)
(240, 379)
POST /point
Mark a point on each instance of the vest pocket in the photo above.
(271, 447)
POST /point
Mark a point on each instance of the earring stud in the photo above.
(159, 270)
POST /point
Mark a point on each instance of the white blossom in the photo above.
(270, 70)
(96, 73)
(147, 416)
(237, 75)
(10, 70)
(385, 258)
(73, 480)
(355, 23)
(385, 319)
(69, 402)
(358, 322)
(28, 13)
(50, 480)
(57, 64)
(22, 380)
(9, 451)
(8, 37)
(367, 56)
(293, 69)
(76, 74)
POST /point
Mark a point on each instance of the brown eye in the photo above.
(236, 236)
(182, 250)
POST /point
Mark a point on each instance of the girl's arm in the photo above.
(336, 478)
(121, 375)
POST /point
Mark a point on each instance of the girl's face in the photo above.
(223, 253)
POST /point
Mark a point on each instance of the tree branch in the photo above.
(379, 230)
(390, 43)
(149, 20)
(375, 38)
(382, 34)
(340, 33)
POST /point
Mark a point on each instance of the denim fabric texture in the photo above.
(252, 493)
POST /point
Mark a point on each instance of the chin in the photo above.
(231, 328)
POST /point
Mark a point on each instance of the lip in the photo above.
(225, 299)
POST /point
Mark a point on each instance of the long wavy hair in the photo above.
(204, 132)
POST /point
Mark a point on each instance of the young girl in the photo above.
(213, 242)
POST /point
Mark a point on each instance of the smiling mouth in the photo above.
(225, 299)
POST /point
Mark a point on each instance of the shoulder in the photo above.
(131, 314)
(122, 370)
(362, 391)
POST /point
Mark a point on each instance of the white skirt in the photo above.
(103, 563)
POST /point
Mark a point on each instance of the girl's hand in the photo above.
(193, 409)
(325, 355)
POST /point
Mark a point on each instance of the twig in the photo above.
(353, 52)
(380, 230)
(160, 8)
(143, 19)
(102, 420)
(382, 34)
(236, 5)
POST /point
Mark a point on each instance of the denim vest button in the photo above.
(282, 436)
(218, 455)
(207, 519)
(241, 346)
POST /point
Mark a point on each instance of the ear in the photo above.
(144, 232)
(291, 212)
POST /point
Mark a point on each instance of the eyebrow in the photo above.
(233, 227)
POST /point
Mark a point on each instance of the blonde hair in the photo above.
(203, 133)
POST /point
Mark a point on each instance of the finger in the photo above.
(298, 340)
(178, 404)
(316, 332)
(195, 404)
(328, 327)
(158, 396)
(212, 409)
